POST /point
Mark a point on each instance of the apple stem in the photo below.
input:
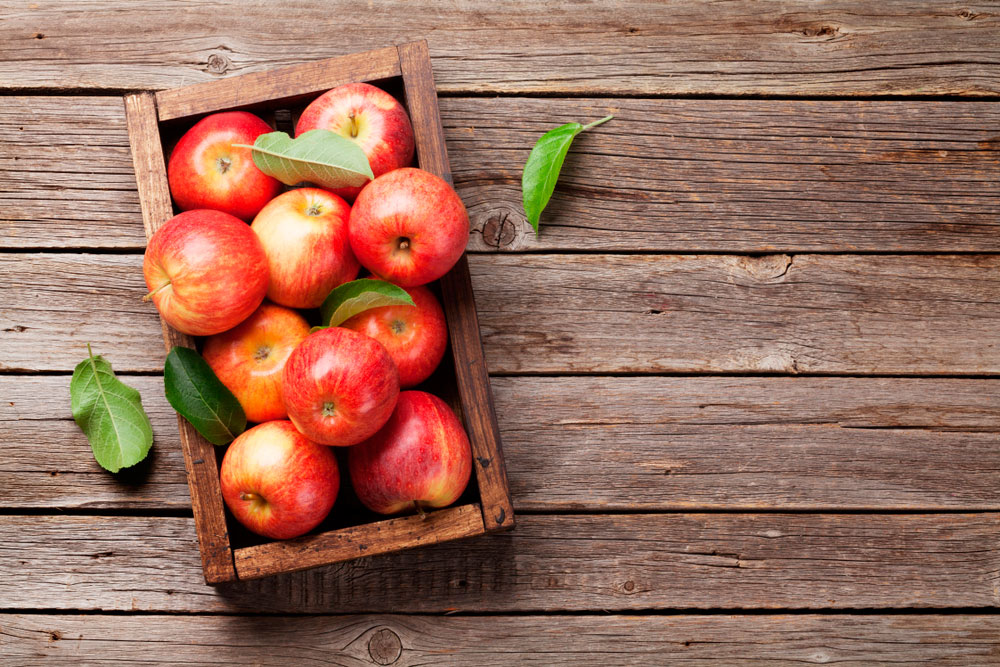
(420, 510)
(354, 125)
(150, 295)
(250, 496)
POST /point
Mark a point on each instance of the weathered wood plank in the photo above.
(612, 444)
(66, 174)
(775, 313)
(666, 175)
(485, 641)
(549, 314)
(553, 563)
(199, 453)
(743, 175)
(835, 46)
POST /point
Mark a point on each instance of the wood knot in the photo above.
(766, 268)
(820, 31)
(38, 35)
(629, 586)
(384, 647)
(218, 63)
(500, 229)
(967, 15)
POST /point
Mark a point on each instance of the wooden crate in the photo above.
(406, 71)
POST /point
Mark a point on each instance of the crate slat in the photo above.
(281, 84)
(459, 303)
(368, 539)
(199, 454)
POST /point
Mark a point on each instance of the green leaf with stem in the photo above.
(322, 157)
(541, 171)
(110, 414)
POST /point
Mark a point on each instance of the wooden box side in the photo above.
(368, 539)
(280, 84)
(459, 302)
(199, 454)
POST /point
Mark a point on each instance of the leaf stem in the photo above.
(596, 123)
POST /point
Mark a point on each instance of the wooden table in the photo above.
(746, 376)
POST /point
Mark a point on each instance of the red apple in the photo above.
(339, 386)
(421, 458)
(304, 234)
(415, 336)
(250, 358)
(277, 482)
(206, 171)
(370, 117)
(206, 272)
(408, 227)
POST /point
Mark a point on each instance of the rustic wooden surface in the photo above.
(734, 176)
(748, 368)
(47, 639)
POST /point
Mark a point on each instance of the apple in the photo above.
(304, 234)
(370, 117)
(408, 227)
(206, 272)
(415, 336)
(206, 171)
(250, 358)
(421, 458)
(277, 482)
(339, 386)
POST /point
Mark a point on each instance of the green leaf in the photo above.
(541, 171)
(110, 414)
(357, 296)
(317, 156)
(200, 397)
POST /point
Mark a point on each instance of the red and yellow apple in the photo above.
(250, 358)
(304, 235)
(339, 386)
(415, 336)
(420, 459)
(370, 117)
(206, 171)
(277, 482)
(206, 272)
(408, 227)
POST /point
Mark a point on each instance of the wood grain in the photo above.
(355, 542)
(592, 444)
(199, 453)
(850, 639)
(554, 314)
(275, 85)
(839, 47)
(665, 175)
(550, 563)
(735, 175)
